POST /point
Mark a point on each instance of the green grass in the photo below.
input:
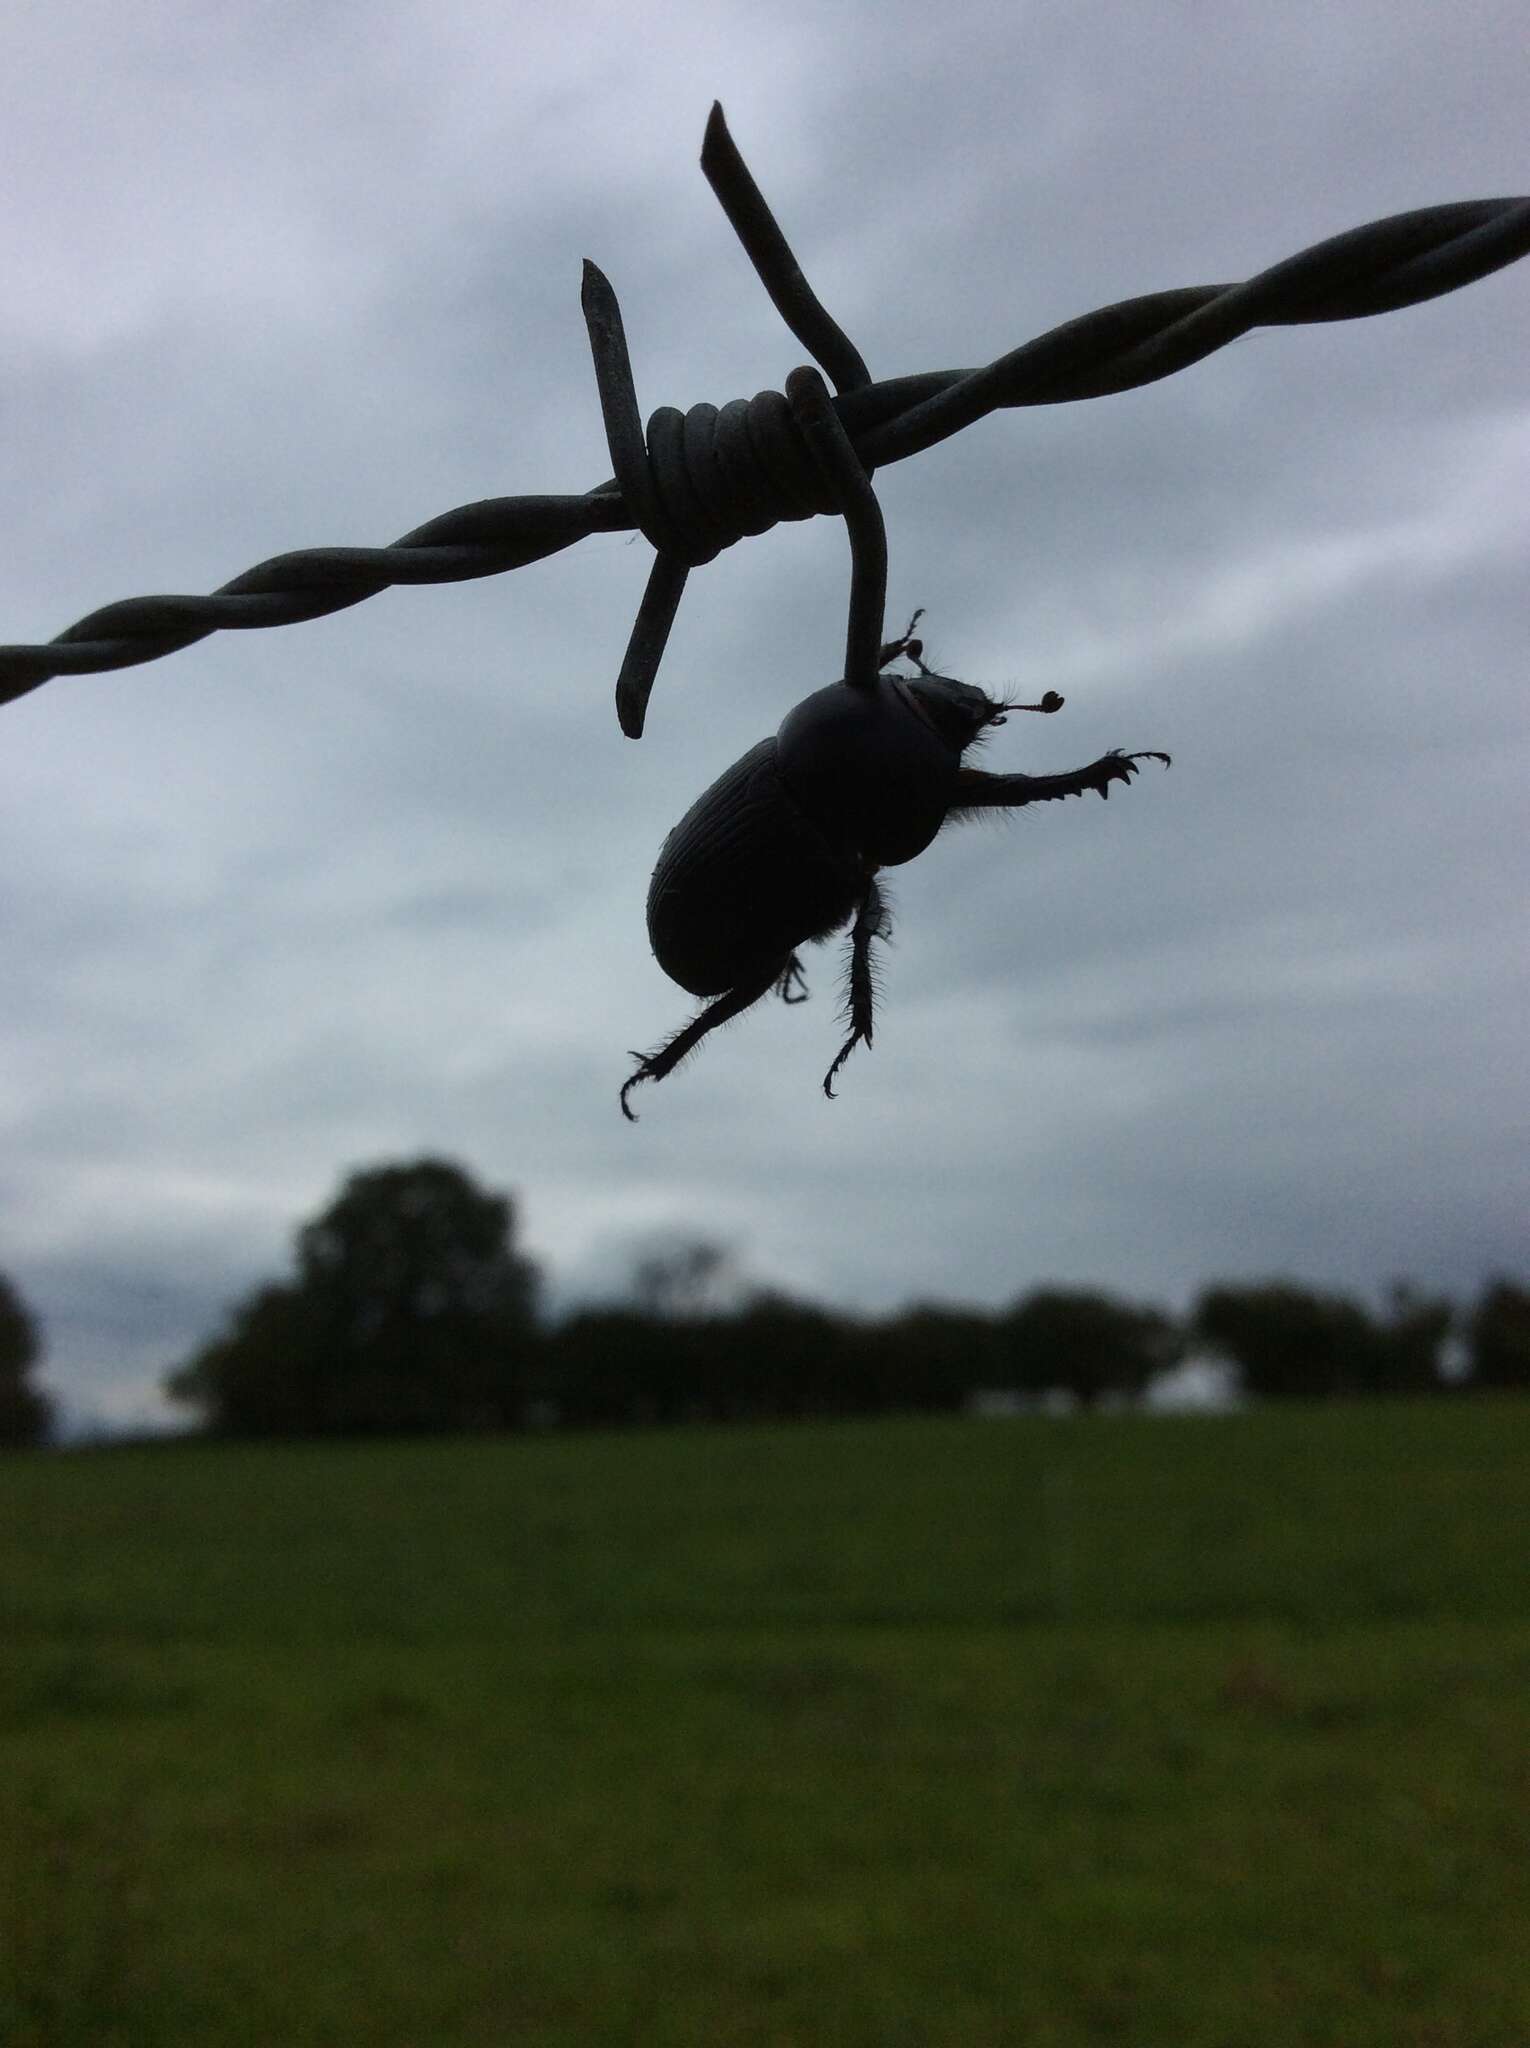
(1185, 1733)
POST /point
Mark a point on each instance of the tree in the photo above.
(931, 1357)
(25, 1413)
(410, 1310)
(789, 1358)
(265, 1374)
(1089, 1343)
(1288, 1341)
(1499, 1336)
(685, 1280)
(1410, 1343)
(606, 1367)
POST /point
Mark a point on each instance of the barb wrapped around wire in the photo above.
(699, 480)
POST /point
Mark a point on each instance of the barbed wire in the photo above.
(695, 482)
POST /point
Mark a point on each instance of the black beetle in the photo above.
(786, 845)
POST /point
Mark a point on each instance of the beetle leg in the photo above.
(653, 1066)
(871, 922)
(792, 987)
(908, 645)
(976, 790)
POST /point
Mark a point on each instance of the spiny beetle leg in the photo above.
(870, 923)
(978, 790)
(654, 1066)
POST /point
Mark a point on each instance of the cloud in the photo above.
(291, 902)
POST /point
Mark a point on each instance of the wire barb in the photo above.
(776, 267)
(699, 480)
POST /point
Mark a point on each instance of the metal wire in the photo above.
(698, 481)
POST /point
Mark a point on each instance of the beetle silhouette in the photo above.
(785, 847)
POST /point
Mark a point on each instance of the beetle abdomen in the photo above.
(744, 879)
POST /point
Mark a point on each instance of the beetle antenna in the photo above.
(1050, 702)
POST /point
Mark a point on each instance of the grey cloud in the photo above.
(290, 901)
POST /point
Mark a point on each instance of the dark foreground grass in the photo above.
(1180, 1733)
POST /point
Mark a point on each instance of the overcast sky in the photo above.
(298, 901)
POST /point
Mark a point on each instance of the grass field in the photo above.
(1181, 1732)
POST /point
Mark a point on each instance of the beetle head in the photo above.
(957, 711)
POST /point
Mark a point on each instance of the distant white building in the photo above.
(1002, 1404)
(1196, 1386)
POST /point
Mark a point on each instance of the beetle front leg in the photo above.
(654, 1066)
(871, 922)
(977, 790)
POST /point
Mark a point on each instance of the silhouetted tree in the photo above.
(692, 1278)
(267, 1373)
(786, 1358)
(1409, 1343)
(765, 1356)
(931, 1357)
(605, 1367)
(25, 1413)
(1088, 1343)
(1498, 1336)
(1289, 1341)
(410, 1310)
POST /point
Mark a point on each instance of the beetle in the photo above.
(786, 845)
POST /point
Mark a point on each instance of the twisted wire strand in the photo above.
(481, 539)
(1382, 267)
(699, 480)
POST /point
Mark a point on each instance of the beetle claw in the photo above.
(630, 1114)
(792, 987)
(839, 1060)
(1119, 767)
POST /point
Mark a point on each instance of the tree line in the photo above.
(410, 1308)
(26, 1413)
